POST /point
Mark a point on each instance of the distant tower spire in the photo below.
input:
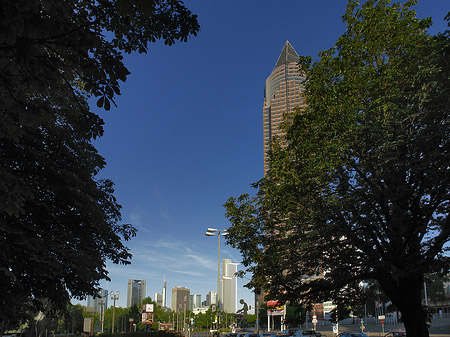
(288, 55)
(164, 293)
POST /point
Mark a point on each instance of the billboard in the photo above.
(147, 318)
(87, 324)
(275, 308)
(147, 307)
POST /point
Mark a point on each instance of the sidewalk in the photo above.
(439, 328)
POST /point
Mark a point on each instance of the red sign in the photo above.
(381, 321)
(272, 302)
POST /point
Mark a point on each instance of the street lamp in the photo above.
(114, 297)
(218, 233)
(184, 314)
(102, 314)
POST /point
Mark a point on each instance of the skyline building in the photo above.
(196, 302)
(181, 298)
(101, 299)
(282, 94)
(228, 295)
(211, 298)
(161, 298)
(135, 292)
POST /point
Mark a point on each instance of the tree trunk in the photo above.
(406, 294)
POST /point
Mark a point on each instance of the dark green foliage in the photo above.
(362, 191)
(434, 284)
(142, 334)
(59, 224)
(340, 313)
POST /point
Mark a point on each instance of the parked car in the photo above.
(306, 333)
(251, 334)
(352, 334)
(289, 332)
(396, 334)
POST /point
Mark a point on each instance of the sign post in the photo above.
(382, 318)
(314, 321)
(335, 329)
(274, 308)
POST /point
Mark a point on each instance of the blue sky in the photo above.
(187, 132)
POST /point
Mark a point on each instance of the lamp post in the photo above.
(184, 314)
(114, 297)
(218, 233)
(102, 314)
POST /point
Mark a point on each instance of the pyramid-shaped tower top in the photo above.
(288, 55)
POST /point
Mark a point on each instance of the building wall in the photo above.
(196, 302)
(282, 94)
(135, 292)
(181, 298)
(159, 299)
(228, 296)
(97, 302)
(211, 298)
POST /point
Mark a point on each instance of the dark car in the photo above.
(352, 334)
(396, 334)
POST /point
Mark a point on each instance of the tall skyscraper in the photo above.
(181, 298)
(228, 296)
(164, 293)
(101, 299)
(282, 94)
(196, 302)
(136, 292)
(161, 298)
(211, 298)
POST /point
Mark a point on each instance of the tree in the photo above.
(59, 223)
(435, 287)
(360, 191)
(340, 313)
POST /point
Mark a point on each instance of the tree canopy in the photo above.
(360, 190)
(59, 223)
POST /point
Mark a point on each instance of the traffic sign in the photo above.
(314, 316)
(314, 321)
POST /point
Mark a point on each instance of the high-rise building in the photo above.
(160, 298)
(228, 295)
(164, 293)
(211, 298)
(282, 94)
(97, 302)
(181, 298)
(136, 292)
(196, 302)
